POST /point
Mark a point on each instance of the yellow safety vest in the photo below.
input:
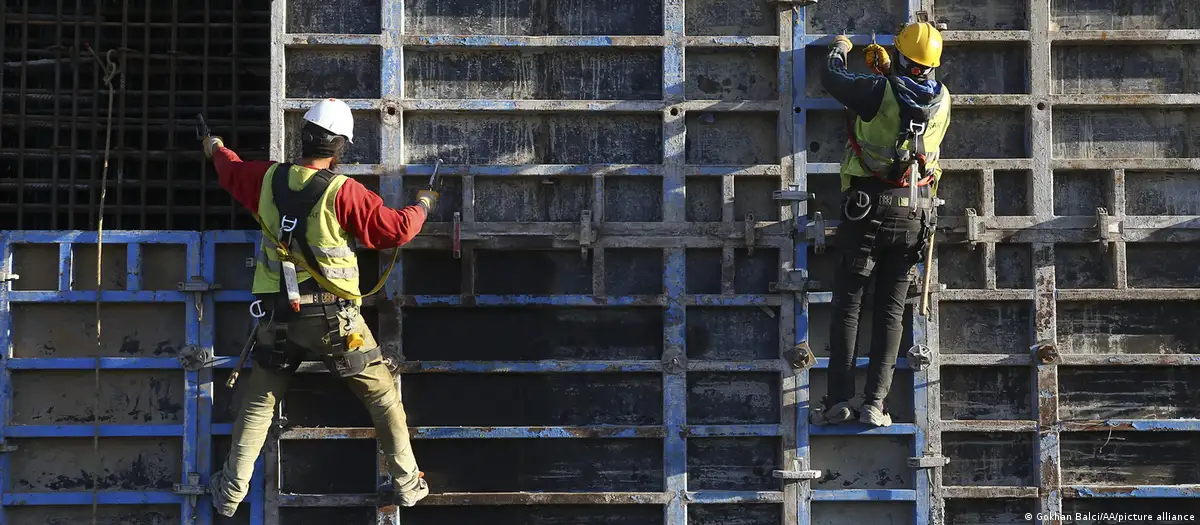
(331, 244)
(877, 139)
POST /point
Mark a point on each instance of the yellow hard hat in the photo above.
(921, 43)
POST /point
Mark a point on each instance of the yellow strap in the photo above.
(326, 284)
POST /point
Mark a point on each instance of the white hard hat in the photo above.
(333, 115)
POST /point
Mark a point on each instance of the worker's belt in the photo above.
(884, 199)
(318, 298)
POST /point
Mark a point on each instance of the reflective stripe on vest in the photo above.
(877, 138)
(330, 243)
(331, 272)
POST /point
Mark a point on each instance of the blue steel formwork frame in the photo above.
(194, 452)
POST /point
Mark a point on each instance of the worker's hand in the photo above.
(211, 144)
(878, 60)
(842, 43)
(428, 198)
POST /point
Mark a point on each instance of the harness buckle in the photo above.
(288, 224)
(916, 128)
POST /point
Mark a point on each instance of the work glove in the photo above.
(427, 198)
(878, 60)
(211, 144)
(842, 43)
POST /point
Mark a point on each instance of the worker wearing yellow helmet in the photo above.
(897, 119)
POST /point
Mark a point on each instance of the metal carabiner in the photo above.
(862, 201)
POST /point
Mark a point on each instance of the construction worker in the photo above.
(889, 175)
(315, 213)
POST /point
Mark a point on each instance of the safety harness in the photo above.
(337, 306)
(303, 201)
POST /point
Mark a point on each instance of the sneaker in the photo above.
(839, 413)
(875, 416)
(411, 496)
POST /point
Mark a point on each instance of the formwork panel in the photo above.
(989, 511)
(1134, 14)
(729, 18)
(986, 393)
(66, 330)
(1161, 265)
(1162, 192)
(532, 272)
(503, 334)
(633, 199)
(731, 399)
(126, 397)
(105, 515)
(993, 68)
(841, 513)
(703, 200)
(816, 58)
(1083, 266)
(1013, 193)
(450, 200)
(1110, 134)
(735, 515)
(732, 138)
(738, 464)
(533, 138)
(1128, 327)
(1014, 266)
(343, 466)
(352, 17)
(961, 190)
(987, 133)
(1149, 510)
(633, 271)
(857, 16)
(531, 199)
(1130, 458)
(529, 17)
(323, 515)
(558, 465)
(545, 74)
(985, 327)
(732, 333)
(1080, 192)
(732, 74)
(1142, 68)
(449, 400)
(862, 462)
(534, 515)
(984, 15)
(71, 464)
(989, 459)
(1128, 393)
(346, 72)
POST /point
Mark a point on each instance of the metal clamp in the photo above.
(750, 233)
(974, 227)
(457, 235)
(800, 357)
(815, 232)
(919, 356)
(799, 472)
(392, 358)
(6, 447)
(795, 281)
(192, 357)
(6, 277)
(923, 462)
(196, 285)
(192, 489)
(586, 236)
(1046, 352)
(1108, 230)
(793, 195)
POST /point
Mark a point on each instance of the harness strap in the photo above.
(296, 205)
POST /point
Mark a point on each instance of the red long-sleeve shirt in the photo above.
(360, 211)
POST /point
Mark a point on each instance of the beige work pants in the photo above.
(263, 388)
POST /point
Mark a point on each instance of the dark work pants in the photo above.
(891, 257)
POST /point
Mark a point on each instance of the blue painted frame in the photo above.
(188, 431)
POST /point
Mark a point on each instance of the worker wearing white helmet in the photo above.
(306, 282)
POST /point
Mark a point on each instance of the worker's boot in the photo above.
(874, 415)
(838, 413)
(412, 495)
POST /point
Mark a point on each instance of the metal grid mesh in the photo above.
(174, 60)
